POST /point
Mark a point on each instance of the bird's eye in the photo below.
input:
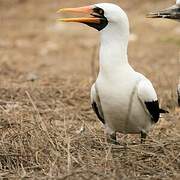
(99, 11)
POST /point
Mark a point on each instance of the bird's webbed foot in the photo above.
(112, 139)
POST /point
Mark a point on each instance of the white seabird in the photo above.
(123, 99)
(172, 12)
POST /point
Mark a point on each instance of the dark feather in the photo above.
(162, 111)
(178, 93)
(95, 108)
(154, 110)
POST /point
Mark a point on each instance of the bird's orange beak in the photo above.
(85, 10)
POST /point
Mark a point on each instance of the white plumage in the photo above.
(120, 92)
(123, 99)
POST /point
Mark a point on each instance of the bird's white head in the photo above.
(103, 15)
(117, 22)
(113, 24)
(113, 13)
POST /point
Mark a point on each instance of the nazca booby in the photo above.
(172, 12)
(123, 99)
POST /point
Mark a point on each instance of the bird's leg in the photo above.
(111, 135)
(143, 137)
(112, 139)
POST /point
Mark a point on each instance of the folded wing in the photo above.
(96, 104)
(148, 98)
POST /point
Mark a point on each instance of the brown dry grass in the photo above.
(41, 119)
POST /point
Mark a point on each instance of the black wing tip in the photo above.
(154, 110)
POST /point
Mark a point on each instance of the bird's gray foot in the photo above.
(111, 135)
(113, 139)
(143, 137)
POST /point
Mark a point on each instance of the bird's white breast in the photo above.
(123, 112)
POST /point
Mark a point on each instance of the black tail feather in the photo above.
(163, 111)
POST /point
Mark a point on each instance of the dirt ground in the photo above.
(46, 71)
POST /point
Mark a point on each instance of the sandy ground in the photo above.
(46, 71)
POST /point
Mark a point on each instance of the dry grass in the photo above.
(47, 127)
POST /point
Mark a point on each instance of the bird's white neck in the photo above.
(113, 50)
